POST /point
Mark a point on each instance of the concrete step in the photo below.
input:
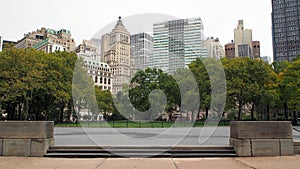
(135, 151)
(136, 155)
(297, 147)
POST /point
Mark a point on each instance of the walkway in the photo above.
(292, 162)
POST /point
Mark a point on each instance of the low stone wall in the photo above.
(25, 138)
(262, 138)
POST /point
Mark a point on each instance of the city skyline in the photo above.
(84, 19)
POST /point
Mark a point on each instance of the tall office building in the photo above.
(286, 29)
(116, 53)
(177, 43)
(141, 47)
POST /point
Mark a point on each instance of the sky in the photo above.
(84, 18)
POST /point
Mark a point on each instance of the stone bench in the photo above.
(262, 138)
(25, 138)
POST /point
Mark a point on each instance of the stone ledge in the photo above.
(261, 130)
(26, 129)
(25, 147)
(262, 138)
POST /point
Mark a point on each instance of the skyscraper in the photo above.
(242, 46)
(177, 43)
(286, 29)
(141, 47)
(117, 55)
(243, 41)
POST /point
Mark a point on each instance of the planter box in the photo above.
(262, 138)
(25, 138)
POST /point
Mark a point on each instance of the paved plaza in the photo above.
(148, 136)
(288, 162)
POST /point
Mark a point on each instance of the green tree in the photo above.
(144, 82)
(290, 83)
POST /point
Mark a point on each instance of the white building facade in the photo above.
(214, 48)
(100, 73)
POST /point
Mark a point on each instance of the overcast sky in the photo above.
(86, 17)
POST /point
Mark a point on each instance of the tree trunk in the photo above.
(268, 112)
(61, 113)
(286, 115)
(294, 118)
(19, 110)
(198, 113)
(70, 110)
(9, 111)
(240, 111)
(206, 112)
(252, 112)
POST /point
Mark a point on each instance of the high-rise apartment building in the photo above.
(116, 50)
(214, 48)
(48, 40)
(242, 46)
(286, 29)
(141, 47)
(177, 43)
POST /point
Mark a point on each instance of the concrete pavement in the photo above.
(288, 162)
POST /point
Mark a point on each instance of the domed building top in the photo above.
(120, 28)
